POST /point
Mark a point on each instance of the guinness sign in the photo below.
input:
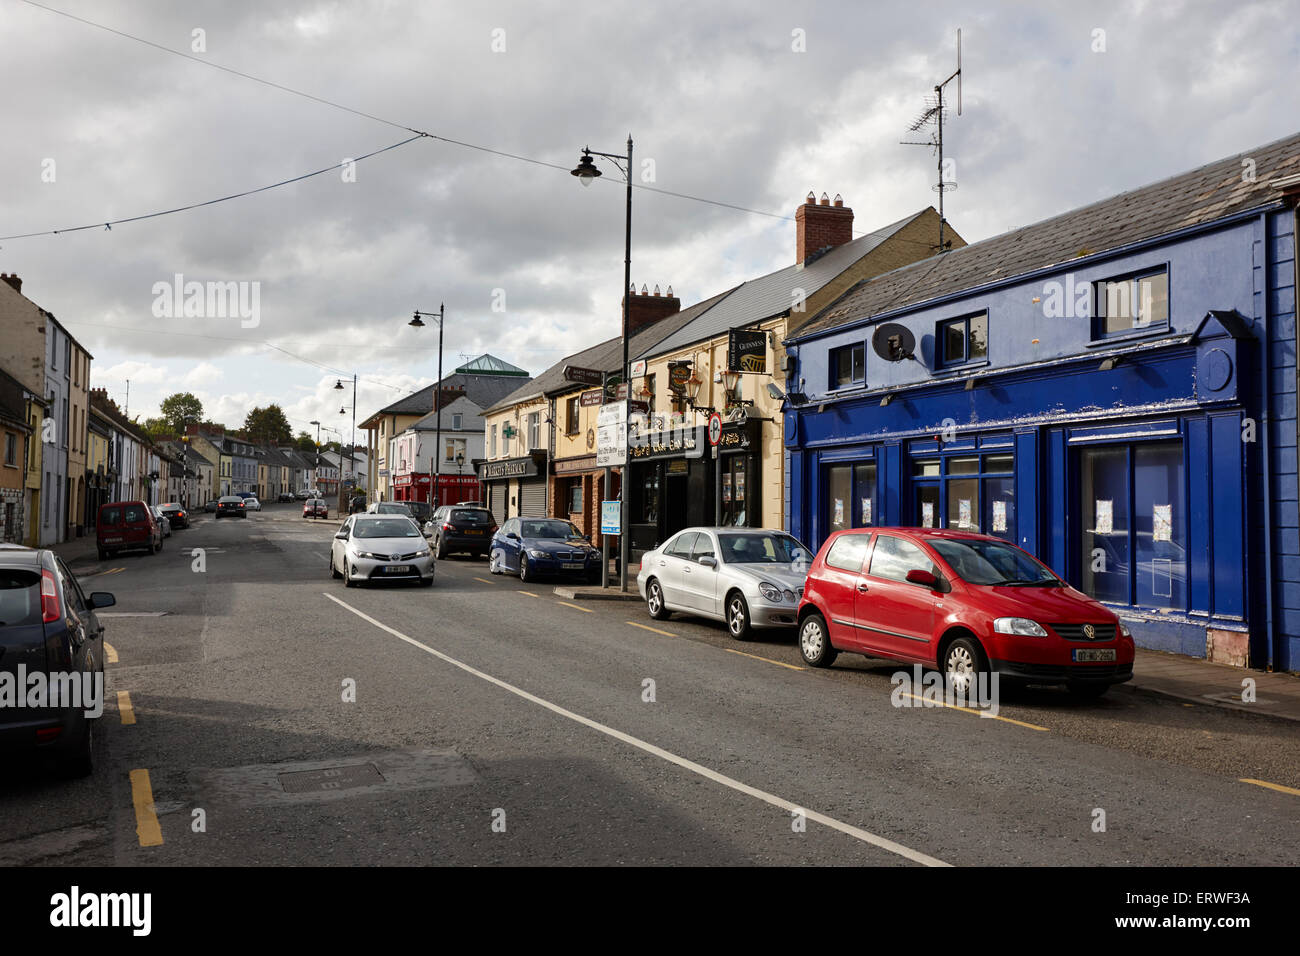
(747, 350)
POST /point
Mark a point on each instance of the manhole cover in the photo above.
(331, 778)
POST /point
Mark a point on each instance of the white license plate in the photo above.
(1082, 654)
(572, 565)
(396, 568)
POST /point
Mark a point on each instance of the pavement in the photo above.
(1173, 676)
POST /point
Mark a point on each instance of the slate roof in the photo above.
(773, 294)
(1202, 195)
(483, 389)
(606, 356)
(472, 421)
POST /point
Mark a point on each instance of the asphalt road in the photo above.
(281, 718)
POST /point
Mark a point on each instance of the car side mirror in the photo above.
(512, 536)
(923, 578)
(342, 536)
(102, 599)
(709, 561)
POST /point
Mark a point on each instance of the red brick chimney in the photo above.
(821, 226)
(13, 281)
(646, 309)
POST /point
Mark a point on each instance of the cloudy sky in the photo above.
(744, 106)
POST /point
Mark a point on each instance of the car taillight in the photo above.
(50, 610)
(448, 526)
(241, 504)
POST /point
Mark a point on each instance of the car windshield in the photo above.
(761, 549)
(978, 561)
(386, 528)
(549, 529)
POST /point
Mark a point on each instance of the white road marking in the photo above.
(856, 832)
(131, 613)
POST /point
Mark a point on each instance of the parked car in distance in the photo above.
(380, 547)
(746, 578)
(284, 496)
(245, 494)
(421, 511)
(127, 526)
(304, 495)
(231, 506)
(315, 508)
(388, 508)
(532, 547)
(163, 522)
(48, 626)
(357, 504)
(457, 530)
(964, 603)
(175, 514)
(211, 506)
(252, 504)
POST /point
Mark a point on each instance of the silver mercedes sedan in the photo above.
(380, 547)
(746, 577)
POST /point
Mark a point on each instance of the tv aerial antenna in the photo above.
(934, 114)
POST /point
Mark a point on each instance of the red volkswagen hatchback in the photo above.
(963, 603)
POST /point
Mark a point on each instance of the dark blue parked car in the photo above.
(49, 633)
(533, 547)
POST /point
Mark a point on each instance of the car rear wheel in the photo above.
(815, 642)
(654, 600)
(80, 762)
(738, 616)
(1089, 690)
(963, 663)
(442, 548)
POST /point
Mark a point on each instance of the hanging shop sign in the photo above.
(591, 397)
(747, 350)
(679, 373)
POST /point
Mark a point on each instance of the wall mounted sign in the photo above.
(509, 468)
(747, 350)
(679, 373)
(1105, 516)
(591, 397)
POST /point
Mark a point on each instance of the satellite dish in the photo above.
(893, 342)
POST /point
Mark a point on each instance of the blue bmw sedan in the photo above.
(532, 547)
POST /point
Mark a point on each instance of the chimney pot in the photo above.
(643, 289)
(810, 199)
(825, 201)
(839, 200)
(656, 288)
(819, 227)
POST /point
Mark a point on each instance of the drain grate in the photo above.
(331, 778)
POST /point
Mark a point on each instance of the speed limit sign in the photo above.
(715, 429)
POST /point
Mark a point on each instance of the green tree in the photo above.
(181, 409)
(268, 424)
(157, 427)
(305, 442)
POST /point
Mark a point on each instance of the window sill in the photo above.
(1135, 335)
(949, 371)
(847, 389)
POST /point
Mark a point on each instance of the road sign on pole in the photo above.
(611, 435)
(715, 429)
(585, 376)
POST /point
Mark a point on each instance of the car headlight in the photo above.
(371, 555)
(422, 554)
(539, 555)
(1124, 631)
(770, 591)
(1021, 626)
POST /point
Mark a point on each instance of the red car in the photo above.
(962, 603)
(315, 508)
(125, 525)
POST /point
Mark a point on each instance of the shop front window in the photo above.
(734, 490)
(966, 492)
(649, 513)
(1134, 538)
(851, 496)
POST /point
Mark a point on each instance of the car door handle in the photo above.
(662, 563)
(686, 570)
(863, 589)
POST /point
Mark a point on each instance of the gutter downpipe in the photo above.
(1266, 453)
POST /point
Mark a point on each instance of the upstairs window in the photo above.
(1132, 303)
(848, 365)
(963, 340)
(572, 421)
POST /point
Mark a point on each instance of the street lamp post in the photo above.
(586, 171)
(343, 411)
(440, 315)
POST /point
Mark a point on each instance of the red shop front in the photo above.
(452, 489)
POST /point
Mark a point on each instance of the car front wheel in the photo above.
(815, 642)
(963, 663)
(654, 600)
(524, 573)
(738, 616)
(347, 575)
(494, 562)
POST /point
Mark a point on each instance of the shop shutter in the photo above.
(532, 499)
(496, 500)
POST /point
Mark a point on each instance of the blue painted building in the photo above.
(1113, 389)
